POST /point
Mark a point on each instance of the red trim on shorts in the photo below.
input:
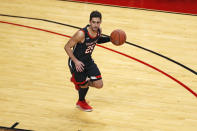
(98, 76)
(77, 83)
(81, 83)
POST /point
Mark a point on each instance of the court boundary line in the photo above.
(151, 51)
(13, 128)
(135, 8)
(123, 54)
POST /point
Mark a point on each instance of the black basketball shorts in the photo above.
(90, 72)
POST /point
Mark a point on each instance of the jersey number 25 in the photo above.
(89, 49)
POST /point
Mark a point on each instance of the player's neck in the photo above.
(92, 32)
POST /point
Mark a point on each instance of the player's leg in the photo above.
(97, 83)
(82, 82)
(94, 76)
(83, 91)
(81, 103)
(81, 85)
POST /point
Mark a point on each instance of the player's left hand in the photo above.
(79, 66)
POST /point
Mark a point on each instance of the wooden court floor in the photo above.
(34, 77)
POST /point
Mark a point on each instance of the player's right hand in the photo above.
(79, 66)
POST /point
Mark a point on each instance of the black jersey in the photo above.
(83, 51)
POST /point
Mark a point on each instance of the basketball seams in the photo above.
(118, 37)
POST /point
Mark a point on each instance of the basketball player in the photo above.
(79, 48)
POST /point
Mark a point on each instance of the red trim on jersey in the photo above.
(91, 35)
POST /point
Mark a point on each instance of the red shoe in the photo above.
(72, 79)
(83, 105)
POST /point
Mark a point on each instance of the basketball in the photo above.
(118, 37)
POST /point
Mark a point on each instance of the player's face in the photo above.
(95, 23)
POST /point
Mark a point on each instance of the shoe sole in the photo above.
(88, 110)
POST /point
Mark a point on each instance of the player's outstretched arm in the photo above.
(103, 39)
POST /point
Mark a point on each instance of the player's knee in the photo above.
(99, 85)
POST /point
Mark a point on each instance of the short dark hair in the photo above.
(95, 14)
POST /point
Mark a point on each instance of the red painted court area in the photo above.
(178, 6)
